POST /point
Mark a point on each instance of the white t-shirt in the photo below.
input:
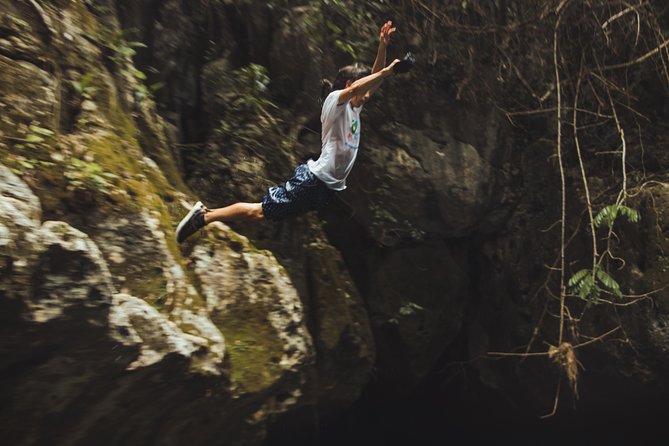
(340, 137)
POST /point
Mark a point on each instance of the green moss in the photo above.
(158, 152)
(111, 141)
(150, 287)
(19, 78)
(253, 346)
(86, 21)
(188, 328)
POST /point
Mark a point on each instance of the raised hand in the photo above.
(386, 31)
(390, 69)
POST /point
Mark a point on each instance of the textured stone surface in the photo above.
(133, 322)
(69, 272)
(19, 223)
(251, 298)
(110, 315)
(86, 347)
(420, 183)
(341, 330)
(414, 323)
(445, 234)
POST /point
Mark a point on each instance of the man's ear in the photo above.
(348, 83)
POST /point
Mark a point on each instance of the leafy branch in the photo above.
(589, 283)
(608, 215)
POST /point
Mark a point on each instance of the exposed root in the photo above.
(564, 356)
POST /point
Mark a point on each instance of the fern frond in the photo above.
(606, 216)
(578, 276)
(632, 215)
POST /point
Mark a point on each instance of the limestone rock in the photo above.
(19, 223)
(251, 299)
(297, 78)
(15, 193)
(341, 330)
(70, 272)
(414, 323)
(140, 258)
(133, 322)
(418, 185)
(90, 352)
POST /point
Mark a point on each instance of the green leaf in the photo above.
(334, 28)
(585, 287)
(605, 278)
(609, 282)
(26, 164)
(578, 276)
(77, 86)
(346, 47)
(606, 216)
(21, 23)
(138, 74)
(32, 138)
(125, 52)
(87, 80)
(632, 215)
(157, 86)
(41, 130)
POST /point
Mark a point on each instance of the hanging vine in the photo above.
(559, 58)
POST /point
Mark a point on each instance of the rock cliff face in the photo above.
(103, 313)
(116, 115)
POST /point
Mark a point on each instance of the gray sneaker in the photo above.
(191, 223)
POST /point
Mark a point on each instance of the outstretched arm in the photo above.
(359, 89)
(384, 37)
(380, 62)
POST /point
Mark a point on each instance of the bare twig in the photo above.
(553, 109)
(562, 175)
(577, 346)
(624, 12)
(598, 338)
(638, 59)
(588, 203)
(556, 401)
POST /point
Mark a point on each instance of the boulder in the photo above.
(249, 296)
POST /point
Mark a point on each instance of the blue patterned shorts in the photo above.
(302, 193)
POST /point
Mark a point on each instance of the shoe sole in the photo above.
(183, 221)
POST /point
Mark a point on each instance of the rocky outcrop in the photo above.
(84, 345)
(250, 295)
(239, 149)
(341, 331)
(105, 309)
(413, 324)
(439, 251)
(422, 183)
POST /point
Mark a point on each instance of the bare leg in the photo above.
(236, 212)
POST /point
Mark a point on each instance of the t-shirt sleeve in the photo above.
(331, 110)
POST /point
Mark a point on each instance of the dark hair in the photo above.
(348, 73)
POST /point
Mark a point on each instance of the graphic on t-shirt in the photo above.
(353, 136)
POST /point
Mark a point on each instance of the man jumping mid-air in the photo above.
(314, 183)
